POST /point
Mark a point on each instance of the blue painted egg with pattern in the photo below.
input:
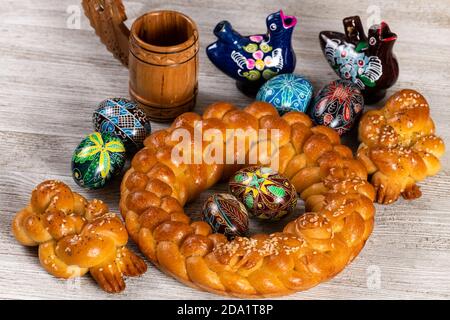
(123, 118)
(287, 92)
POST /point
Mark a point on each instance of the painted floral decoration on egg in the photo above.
(123, 118)
(225, 214)
(338, 105)
(287, 92)
(98, 158)
(265, 193)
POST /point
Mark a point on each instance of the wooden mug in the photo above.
(163, 64)
(161, 51)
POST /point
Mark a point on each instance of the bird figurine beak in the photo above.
(288, 21)
(385, 33)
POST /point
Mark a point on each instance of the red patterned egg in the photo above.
(338, 105)
(225, 214)
(265, 193)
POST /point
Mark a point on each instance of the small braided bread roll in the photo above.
(76, 236)
(311, 249)
(399, 147)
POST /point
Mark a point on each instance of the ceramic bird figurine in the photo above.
(252, 60)
(368, 61)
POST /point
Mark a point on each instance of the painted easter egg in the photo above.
(97, 159)
(287, 92)
(122, 118)
(338, 105)
(225, 214)
(265, 193)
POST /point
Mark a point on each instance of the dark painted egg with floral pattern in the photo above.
(225, 214)
(123, 118)
(338, 105)
(97, 159)
(265, 193)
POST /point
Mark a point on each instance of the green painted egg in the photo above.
(265, 193)
(97, 159)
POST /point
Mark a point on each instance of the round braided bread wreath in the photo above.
(311, 249)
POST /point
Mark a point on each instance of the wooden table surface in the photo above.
(52, 75)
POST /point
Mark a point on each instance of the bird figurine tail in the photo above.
(225, 33)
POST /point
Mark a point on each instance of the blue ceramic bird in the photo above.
(252, 60)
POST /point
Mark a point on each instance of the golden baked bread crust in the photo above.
(311, 249)
(399, 147)
(76, 236)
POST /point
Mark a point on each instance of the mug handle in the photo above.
(107, 17)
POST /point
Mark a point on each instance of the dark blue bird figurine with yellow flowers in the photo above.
(252, 60)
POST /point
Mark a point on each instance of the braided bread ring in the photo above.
(399, 147)
(76, 236)
(310, 250)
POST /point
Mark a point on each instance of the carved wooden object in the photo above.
(107, 18)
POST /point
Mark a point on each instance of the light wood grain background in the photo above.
(52, 77)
